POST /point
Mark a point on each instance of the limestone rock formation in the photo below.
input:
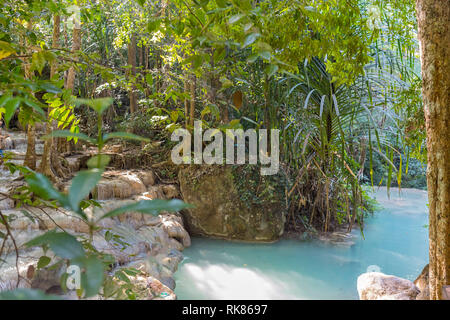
(150, 244)
(123, 184)
(234, 203)
(422, 283)
(379, 286)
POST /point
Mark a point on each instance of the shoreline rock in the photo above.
(232, 203)
(379, 286)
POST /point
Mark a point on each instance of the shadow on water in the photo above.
(396, 242)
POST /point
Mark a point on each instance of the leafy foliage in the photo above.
(340, 79)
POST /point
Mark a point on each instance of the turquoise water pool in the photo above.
(396, 242)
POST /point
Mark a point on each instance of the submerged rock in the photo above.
(235, 203)
(379, 286)
(339, 238)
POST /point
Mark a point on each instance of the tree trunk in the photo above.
(433, 19)
(266, 102)
(186, 101)
(63, 144)
(76, 46)
(146, 54)
(30, 156)
(215, 86)
(141, 56)
(50, 162)
(46, 166)
(157, 80)
(132, 72)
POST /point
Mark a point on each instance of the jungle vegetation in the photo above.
(341, 80)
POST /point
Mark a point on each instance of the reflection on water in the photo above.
(396, 240)
(220, 280)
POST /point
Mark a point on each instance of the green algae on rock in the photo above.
(223, 207)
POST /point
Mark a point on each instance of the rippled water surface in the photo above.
(396, 241)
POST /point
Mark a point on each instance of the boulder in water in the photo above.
(379, 286)
(233, 202)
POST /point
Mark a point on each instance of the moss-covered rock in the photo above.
(233, 202)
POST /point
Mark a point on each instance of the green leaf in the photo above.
(27, 294)
(37, 61)
(41, 186)
(69, 134)
(49, 87)
(131, 271)
(81, 185)
(122, 276)
(62, 244)
(4, 98)
(236, 18)
(6, 50)
(123, 135)
(149, 79)
(221, 3)
(153, 24)
(252, 58)
(307, 98)
(33, 105)
(266, 55)
(108, 235)
(271, 69)
(250, 39)
(109, 288)
(10, 108)
(153, 207)
(99, 104)
(43, 262)
(92, 275)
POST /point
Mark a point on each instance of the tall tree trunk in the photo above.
(76, 46)
(433, 17)
(132, 72)
(65, 45)
(30, 156)
(157, 80)
(141, 56)
(146, 72)
(266, 102)
(50, 162)
(215, 86)
(63, 144)
(146, 54)
(186, 101)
